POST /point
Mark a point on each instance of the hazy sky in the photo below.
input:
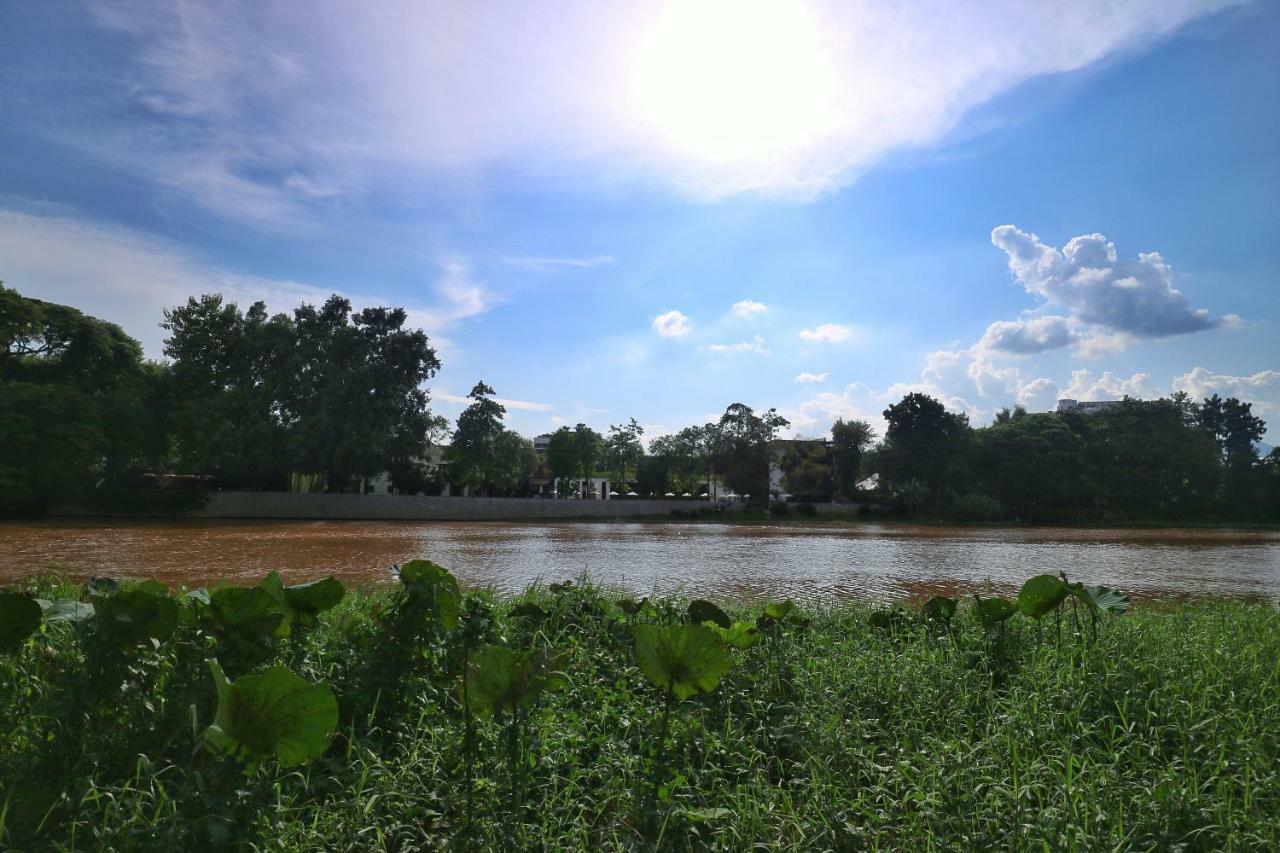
(655, 209)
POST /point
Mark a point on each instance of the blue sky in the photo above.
(654, 210)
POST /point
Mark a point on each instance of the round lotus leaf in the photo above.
(246, 611)
(133, 616)
(992, 611)
(316, 596)
(275, 714)
(19, 619)
(500, 680)
(940, 607)
(1040, 595)
(681, 659)
(739, 635)
(1101, 598)
(701, 611)
(66, 610)
(434, 585)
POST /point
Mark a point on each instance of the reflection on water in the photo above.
(878, 561)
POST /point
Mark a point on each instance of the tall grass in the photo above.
(1163, 733)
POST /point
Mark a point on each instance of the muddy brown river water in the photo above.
(813, 563)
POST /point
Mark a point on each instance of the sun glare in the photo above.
(735, 81)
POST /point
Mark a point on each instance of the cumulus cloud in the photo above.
(1108, 386)
(827, 333)
(1133, 297)
(811, 377)
(748, 308)
(1038, 395)
(672, 324)
(755, 345)
(1261, 388)
(1025, 337)
(255, 110)
(129, 278)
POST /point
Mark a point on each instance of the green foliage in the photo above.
(315, 597)
(19, 619)
(1040, 595)
(272, 715)
(432, 590)
(682, 660)
(992, 611)
(940, 608)
(132, 616)
(501, 681)
(739, 635)
(1101, 598)
(701, 611)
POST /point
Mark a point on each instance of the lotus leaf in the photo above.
(1040, 595)
(701, 611)
(940, 607)
(19, 619)
(681, 659)
(500, 680)
(993, 611)
(273, 714)
(133, 616)
(435, 586)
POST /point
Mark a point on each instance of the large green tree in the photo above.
(1031, 462)
(623, 449)
(849, 443)
(926, 443)
(743, 445)
(80, 407)
(472, 450)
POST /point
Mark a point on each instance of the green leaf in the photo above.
(681, 659)
(1101, 598)
(66, 610)
(992, 611)
(706, 815)
(1040, 595)
(19, 619)
(133, 616)
(941, 608)
(631, 607)
(885, 620)
(434, 587)
(701, 611)
(779, 610)
(273, 714)
(249, 612)
(316, 596)
(529, 610)
(499, 680)
(739, 635)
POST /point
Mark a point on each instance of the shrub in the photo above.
(780, 509)
(976, 508)
(806, 509)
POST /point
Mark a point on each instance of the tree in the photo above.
(925, 442)
(562, 457)
(589, 445)
(479, 427)
(512, 459)
(1031, 462)
(623, 450)
(849, 443)
(742, 441)
(80, 407)
(355, 393)
(808, 471)
(1236, 431)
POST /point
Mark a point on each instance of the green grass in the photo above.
(1163, 733)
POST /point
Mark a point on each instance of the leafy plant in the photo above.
(132, 616)
(682, 660)
(991, 612)
(272, 715)
(940, 608)
(19, 619)
(432, 591)
(701, 611)
(1040, 595)
(739, 635)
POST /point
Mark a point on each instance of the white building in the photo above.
(1085, 407)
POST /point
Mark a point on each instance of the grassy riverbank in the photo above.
(1163, 732)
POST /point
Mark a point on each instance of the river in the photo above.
(809, 563)
(816, 562)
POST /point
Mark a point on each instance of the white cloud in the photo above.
(1086, 277)
(1085, 386)
(259, 112)
(672, 324)
(539, 264)
(129, 278)
(827, 333)
(1038, 395)
(748, 308)
(1025, 337)
(811, 377)
(1262, 389)
(523, 405)
(755, 345)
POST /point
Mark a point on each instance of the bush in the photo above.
(976, 508)
(911, 496)
(806, 509)
(780, 509)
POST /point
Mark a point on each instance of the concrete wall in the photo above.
(422, 508)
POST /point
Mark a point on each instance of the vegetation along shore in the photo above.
(420, 716)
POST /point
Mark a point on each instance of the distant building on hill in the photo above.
(1085, 407)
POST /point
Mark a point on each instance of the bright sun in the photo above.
(736, 81)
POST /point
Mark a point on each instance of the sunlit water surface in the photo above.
(813, 563)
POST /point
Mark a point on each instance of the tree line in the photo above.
(328, 398)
